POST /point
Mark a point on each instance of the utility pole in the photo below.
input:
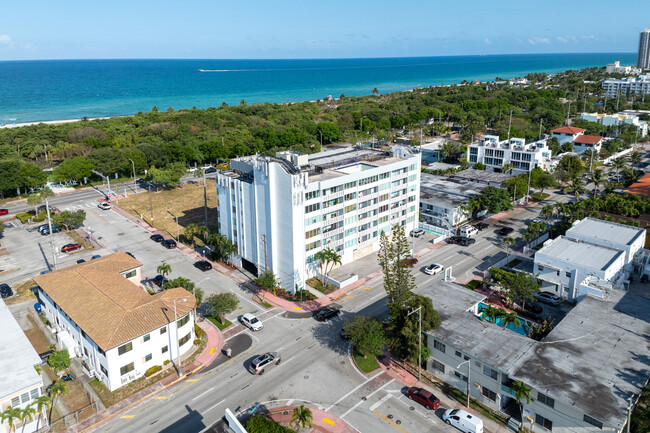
(584, 105)
(205, 200)
(49, 224)
(177, 232)
(509, 124)
(108, 182)
(321, 138)
(540, 128)
(419, 311)
(150, 202)
(629, 414)
(568, 112)
(134, 182)
(469, 368)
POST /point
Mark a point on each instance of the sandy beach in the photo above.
(51, 122)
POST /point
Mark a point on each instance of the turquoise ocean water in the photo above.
(70, 89)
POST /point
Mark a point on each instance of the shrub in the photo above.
(25, 216)
(153, 370)
(261, 424)
(474, 284)
(197, 342)
(41, 216)
(198, 331)
(59, 360)
(166, 362)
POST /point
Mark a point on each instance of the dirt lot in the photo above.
(22, 292)
(185, 202)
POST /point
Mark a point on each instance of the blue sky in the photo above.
(72, 29)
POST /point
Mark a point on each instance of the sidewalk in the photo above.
(323, 421)
(210, 353)
(397, 372)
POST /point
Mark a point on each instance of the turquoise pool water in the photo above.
(521, 329)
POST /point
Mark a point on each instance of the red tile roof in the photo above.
(568, 130)
(640, 187)
(588, 139)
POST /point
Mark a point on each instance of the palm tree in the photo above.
(508, 167)
(597, 180)
(491, 313)
(508, 241)
(510, 318)
(42, 402)
(577, 186)
(302, 416)
(11, 415)
(327, 257)
(27, 413)
(164, 269)
(547, 211)
(190, 232)
(636, 158)
(58, 388)
(198, 294)
(522, 392)
(203, 232)
(619, 164)
(560, 209)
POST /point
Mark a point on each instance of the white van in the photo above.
(463, 421)
(468, 231)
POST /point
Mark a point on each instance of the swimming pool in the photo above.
(522, 329)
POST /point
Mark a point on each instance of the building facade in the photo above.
(20, 384)
(643, 58)
(627, 86)
(567, 134)
(282, 210)
(495, 154)
(617, 68)
(113, 325)
(617, 119)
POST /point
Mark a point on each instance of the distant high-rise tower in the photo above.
(643, 61)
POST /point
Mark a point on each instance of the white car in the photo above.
(104, 206)
(251, 322)
(433, 269)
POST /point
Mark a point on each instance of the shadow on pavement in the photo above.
(237, 344)
(327, 334)
(191, 422)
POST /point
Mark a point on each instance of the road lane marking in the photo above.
(202, 394)
(353, 390)
(380, 402)
(98, 217)
(390, 421)
(329, 421)
(162, 397)
(283, 363)
(192, 380)
(127, 416)
(215, 405)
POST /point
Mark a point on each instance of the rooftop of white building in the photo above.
(486, 176)
(17, 357)
(462, 188)
(579, 253)
(605, 230)
(594, 359)
(514, 143)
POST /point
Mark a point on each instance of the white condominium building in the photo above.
(523, 156)
(627, 86)
(617, 119)
(282, 210)
(617, 68)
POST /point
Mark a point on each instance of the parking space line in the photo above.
(390, 421)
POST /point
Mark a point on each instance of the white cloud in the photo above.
(561, 39)
(539, 40)
(588, 37)
(487, 41)
(5, 40)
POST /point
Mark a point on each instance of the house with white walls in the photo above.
(102, 315)
(567, 134)
(495, 154)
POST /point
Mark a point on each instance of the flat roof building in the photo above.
(495, 154)
(627, 86)
(483, 177)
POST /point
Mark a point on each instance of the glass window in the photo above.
(458, 354)
(183, 320)
(593, 421)
(548, 401)
(127, 368)
(489, 394)
(185, 339)
(147, 337)
(490, 372)
(103, 369)
(130, 274)
(438, 365)
(163, 330)
(24, 397)
(165, 349)
(125, 348)
(147, 357)
(34, 393)
(15, 401)
(440, 346)
(540, 420)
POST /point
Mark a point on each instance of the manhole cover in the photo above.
(364, 398)
(390, 416)
(306, 377)
(398, 422)
(412, 408)
(120, 234)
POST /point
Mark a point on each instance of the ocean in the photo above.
(32, 91)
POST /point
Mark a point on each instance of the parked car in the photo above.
(159, 280)
(548, 298)
(210, 170)
(5, 290)
(464, 241)
(46, 230)
(203, 265)
(70, 247)
(260, 363)
(424, 397)
(169, 243)
(409, 261)
(463, 421)
(417, 233)
(4, 211)
(505, 231)
(104, 206)
(481, 225)
(96, 256)
(327, 313)
(454, 239)
(251, 322)
(433, 269)
(81, 261)
(468, 231)
(157, 238)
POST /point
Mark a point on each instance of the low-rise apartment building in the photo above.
(523, 156)
(617, 119)
(280, 211)
(567, 134)
(627, 86)
(20, 384)
(594, 256)
(101, 315)
(580, 375)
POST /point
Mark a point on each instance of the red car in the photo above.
(4, 211)
(409, 261)
(424, 397)
(70, 247)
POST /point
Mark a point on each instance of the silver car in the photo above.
(260, 363)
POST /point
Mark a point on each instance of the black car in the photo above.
(454, 239)
(96, 256)
(505, 231)
(169, 243)
(157, 238)
(210, 170)
(5, 290)
(481, 225)
(46, 230)
(203, 265)
(327, 313)
(465, 241)
(81, 261)
(159, 280)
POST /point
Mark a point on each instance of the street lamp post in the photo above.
(469, 367)
(178, 346)
(419, 311)
(321, 138)
(177, 232)
(134, 183)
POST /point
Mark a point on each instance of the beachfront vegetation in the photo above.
(165, 142)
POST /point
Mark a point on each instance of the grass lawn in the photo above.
(367, 365)
(79, 239)
(317, 284)
(218, 324)
(539, 196)
(185, 202)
